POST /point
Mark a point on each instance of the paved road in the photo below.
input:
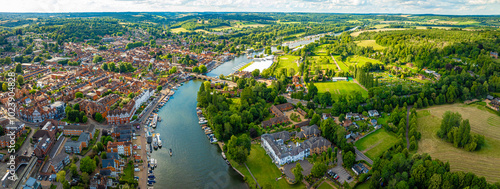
(361, 156)
(336, 63)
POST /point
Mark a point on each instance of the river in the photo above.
(196, 163)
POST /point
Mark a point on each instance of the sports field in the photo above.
(369, 43)
(485, 162)
(340, 87)
(287, 62)
(376, 143)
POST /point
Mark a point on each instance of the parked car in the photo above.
(137, 169)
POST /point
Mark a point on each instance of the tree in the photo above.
(84, 119)
(173, 70)
(105, 66)
(61, 176)
(297, 172)
(87, 164)
(318, 169)
(341, 117)
(203, 69)
(315, 119)
(85, 178)
(349, 159)
(238, 148)
(20, 79)
(98, 117)
(19, 68)
(78, 95)
(73, 169)
(256, 73)
(196, 69)
(97, 59)
(104, 155)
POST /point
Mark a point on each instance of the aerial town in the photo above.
(248, 100)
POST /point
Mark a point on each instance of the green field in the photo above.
(359, 60)
(323, 62)
(320, 50)
(325, 186)
(365, 185)
(370, 43)
(342, 65)
(485, 162)
(264, 170)
(339, 87)
(287, 62)
(376, 143)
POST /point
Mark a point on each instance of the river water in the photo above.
(196, 163)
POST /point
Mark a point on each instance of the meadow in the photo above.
(339, 87)
(287, 62)
(485, 162)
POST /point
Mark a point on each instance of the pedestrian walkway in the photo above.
(252, 175)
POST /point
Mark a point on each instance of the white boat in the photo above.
(202, 121)
(154, 122)
(223, 155)
(159, 140)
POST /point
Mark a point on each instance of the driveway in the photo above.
(306, 166)
(343, 174)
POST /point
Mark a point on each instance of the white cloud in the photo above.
(334, 6)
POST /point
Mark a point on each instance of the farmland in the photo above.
(340, 87)
(376, 143)
(484, 162)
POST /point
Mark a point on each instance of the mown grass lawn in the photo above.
(369, 43)
(485, 162)
(287, 62)
(323, 62)
(264, 170)
(342, 65)
(376, 143)
(325, 186)
(365, 185)
(339, 87)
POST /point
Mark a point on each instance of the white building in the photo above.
(280, 152)
(335, 79)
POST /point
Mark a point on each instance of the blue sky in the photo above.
(459, 7)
